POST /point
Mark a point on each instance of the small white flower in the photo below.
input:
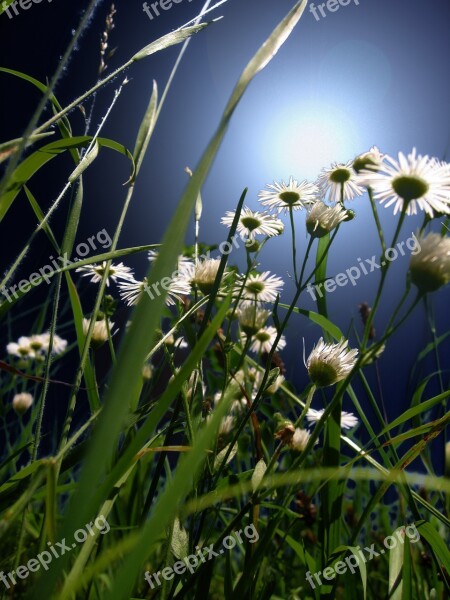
(272, 388)
(183, 261)
(348, 420)
(132, 291)
(369, 161)
(264, 339)
(293, 195)
(100, 333)
(116, 273)
(36, 346)
(262, 287)
(411, 182)
(430, 268)
(300, 439)
(321, 219)
(329, 363)
(22, 348)
(251, 317)
(204, 274)
(252, 223)
(336, 178)
(59, 344)
(22, 402)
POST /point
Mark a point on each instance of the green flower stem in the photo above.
(262, 386)
(307, 405)
(294, 249)
(377, 219)
(384, 272)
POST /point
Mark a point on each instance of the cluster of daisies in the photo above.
(31, 350)
(327, 364)
(36, 347)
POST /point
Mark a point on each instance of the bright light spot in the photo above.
(301, 142)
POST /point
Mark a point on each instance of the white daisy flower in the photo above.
(100, 333)
(36, 346)
(321, 219)
(348, 420)
(300, 439)
(369, 161)
(251, 317)
(411, 182)
(22, 348)
(272, 388)
(203, 274)
(329, 363)
(183, 262)
(295, 195)
(331, 181)
(252, 223)
(59, 344)
(115, 272)
(22, 402)
(430, 268)
(264, 339)
(262, 287)
(132, 291)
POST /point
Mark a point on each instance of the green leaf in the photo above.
(170, 39)
(89, 376)
(63, 124)
(146, 130)
(31, 165)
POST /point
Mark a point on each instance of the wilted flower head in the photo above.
(339, 182)
(430, 268)
(329, 363)
(411, 182)
(252, 317)
(369, 161)
(115, 272)
(22, 402)
(252, 223)
(348, 420)
(322, 219)
(293, 195)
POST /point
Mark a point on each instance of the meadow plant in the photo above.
(195, 432)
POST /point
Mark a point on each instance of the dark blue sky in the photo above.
(373, 73)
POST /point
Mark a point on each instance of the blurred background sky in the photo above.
(369, 74)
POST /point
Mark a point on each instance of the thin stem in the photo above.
(377, 219)
(15, 159)
(384, 271)
(294, 249)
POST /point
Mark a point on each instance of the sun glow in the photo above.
(302, 142)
